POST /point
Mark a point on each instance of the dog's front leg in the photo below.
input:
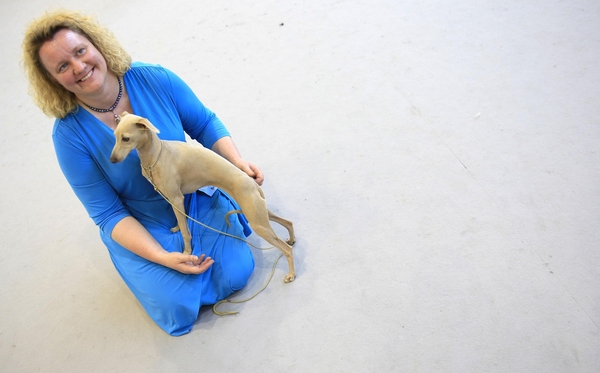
(179, 210)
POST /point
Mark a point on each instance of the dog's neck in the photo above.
(149, 150)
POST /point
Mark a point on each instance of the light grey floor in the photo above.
(440, 162)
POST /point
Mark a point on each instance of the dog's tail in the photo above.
(229, 213)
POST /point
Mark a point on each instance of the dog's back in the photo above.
(198, 167)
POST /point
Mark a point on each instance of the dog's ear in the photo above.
(144, 123)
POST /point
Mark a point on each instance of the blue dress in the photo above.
(111, 192)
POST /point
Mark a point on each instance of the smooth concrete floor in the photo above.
(440, 160)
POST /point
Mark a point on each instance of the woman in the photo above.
(80, 74)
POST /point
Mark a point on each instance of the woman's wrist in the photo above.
(160, 256)
(225, 147)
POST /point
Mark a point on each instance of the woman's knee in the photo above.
(240, 270)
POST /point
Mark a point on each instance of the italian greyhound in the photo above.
(176, 168)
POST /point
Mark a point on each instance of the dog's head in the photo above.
(131, 131)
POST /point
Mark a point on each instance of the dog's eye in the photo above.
(125, 139)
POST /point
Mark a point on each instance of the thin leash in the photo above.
(225, 313)
(215, 311)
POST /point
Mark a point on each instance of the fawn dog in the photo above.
(176, 168)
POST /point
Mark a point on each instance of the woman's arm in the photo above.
(132, 235)
(226, 148)
(204, 126)
(105, 208)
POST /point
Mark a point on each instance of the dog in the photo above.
(176, 168)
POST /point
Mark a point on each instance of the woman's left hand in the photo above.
(251, 170)
(227, 149)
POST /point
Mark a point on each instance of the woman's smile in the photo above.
(87, 76)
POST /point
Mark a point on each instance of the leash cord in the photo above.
(225, 313)
(215, 311)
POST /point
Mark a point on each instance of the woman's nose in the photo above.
(78, 66)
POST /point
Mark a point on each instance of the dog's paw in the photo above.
(289, 277)
(175, 229)
(290, 242)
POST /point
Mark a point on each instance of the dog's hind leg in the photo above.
(277, 219)
(285, 223)
(269, 235)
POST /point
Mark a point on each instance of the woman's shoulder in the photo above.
(67, 123)
(66, 131)
(143, 68)
(147, 73)
(144, 65)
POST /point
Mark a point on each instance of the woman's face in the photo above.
(75, 63)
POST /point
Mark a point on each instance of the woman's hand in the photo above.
(250, 169)
(227, 149)
(187, 264)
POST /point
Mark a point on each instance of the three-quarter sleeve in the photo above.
(87, 180)
(199, 122)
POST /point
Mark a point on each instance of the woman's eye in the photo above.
(81, 51)
(62, 67)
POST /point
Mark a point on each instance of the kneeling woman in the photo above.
(79, 74)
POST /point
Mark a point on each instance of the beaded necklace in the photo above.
(112, 108)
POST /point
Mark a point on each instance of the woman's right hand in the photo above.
(187, 264)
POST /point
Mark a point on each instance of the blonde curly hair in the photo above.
(47, 93)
